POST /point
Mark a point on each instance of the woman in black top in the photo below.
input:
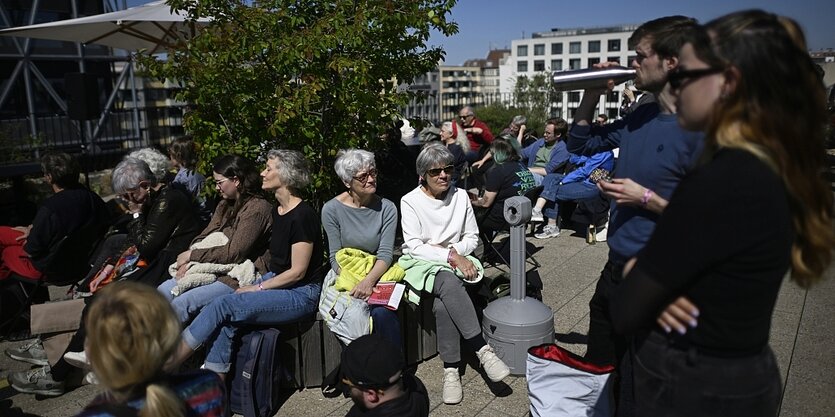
(755, 208)
(507, 178)
(290, 291)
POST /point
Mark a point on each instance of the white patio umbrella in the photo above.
(149, 27)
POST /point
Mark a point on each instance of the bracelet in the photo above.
(647, 196)
(260, 286)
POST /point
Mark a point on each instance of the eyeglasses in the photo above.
(464, 116)
(129, 191)
(679, 77)
(434, 172)
(220, 182)
(363, 178)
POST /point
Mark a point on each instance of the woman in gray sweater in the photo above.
(360, 219)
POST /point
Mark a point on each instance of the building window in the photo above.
(593, 61)
(522, 50)
(539, 65)
(522, 66)
(556, 65)
(556, 48)
(594, 46)
(539, 49)
(631, 59)
(574, 48)
(613, 59)
(573, 96)
(574, 63)
(614, 45)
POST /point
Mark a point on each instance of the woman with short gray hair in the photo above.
(158, 163)
(360, 219)
(162, 218)
(453, 136)
(439, 234)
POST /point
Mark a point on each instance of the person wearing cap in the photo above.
(373, 376)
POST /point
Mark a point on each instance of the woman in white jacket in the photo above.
(439, 228)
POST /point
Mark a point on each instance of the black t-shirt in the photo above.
(724, 242)
(508, 179)
(300, 224)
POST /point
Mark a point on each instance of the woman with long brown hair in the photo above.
(756, 207)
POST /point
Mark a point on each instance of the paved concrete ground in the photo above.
(802, 337)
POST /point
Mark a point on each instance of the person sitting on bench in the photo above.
(574, 186)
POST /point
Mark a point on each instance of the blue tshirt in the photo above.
(654, 152)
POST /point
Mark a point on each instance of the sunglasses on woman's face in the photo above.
(679, 77)
(434, 172)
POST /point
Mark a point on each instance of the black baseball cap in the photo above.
(372, 361)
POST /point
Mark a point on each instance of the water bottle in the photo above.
(591, 77)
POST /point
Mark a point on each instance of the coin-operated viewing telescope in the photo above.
(515, 323)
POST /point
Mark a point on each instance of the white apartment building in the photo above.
(426, 105)
(565, 49)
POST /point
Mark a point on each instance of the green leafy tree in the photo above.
(534, 97)
(307, 75)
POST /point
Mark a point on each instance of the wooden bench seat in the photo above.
(310, 351)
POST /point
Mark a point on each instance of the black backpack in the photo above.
(257, 375)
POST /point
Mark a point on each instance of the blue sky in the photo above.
(486, 24)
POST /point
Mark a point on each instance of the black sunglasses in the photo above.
(434, 172)
(678, 77)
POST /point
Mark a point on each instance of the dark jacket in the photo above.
(74, 209)
(413, 403)
(168, 222)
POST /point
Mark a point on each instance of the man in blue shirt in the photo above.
(548, 154)
(655, 153)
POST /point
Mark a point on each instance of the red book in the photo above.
(387, 294)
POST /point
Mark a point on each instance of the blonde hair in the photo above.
(131, 332)
(777, 113)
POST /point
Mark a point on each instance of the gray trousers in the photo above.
(454, 315)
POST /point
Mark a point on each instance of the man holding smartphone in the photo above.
(655, 153)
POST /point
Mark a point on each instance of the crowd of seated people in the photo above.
(135, 338)
(280, 248)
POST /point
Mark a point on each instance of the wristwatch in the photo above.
(136, 215)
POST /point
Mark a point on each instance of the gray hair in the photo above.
(461, 137)
(519, 120)
(156, 160)
(432, 155)
(129, 173)
(350, 161)
(292, 167)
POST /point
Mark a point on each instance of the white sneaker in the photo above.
(602, 232)
(536, 215)
(495, 369)
(78, 359)
(91, 379)
(453, 393)
(548, 232)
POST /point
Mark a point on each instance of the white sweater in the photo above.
(431, 226)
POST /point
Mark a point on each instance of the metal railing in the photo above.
(118, 132)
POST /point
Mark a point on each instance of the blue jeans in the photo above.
(219, 320)
(188, 304)
(386, 324)
(553, 192)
